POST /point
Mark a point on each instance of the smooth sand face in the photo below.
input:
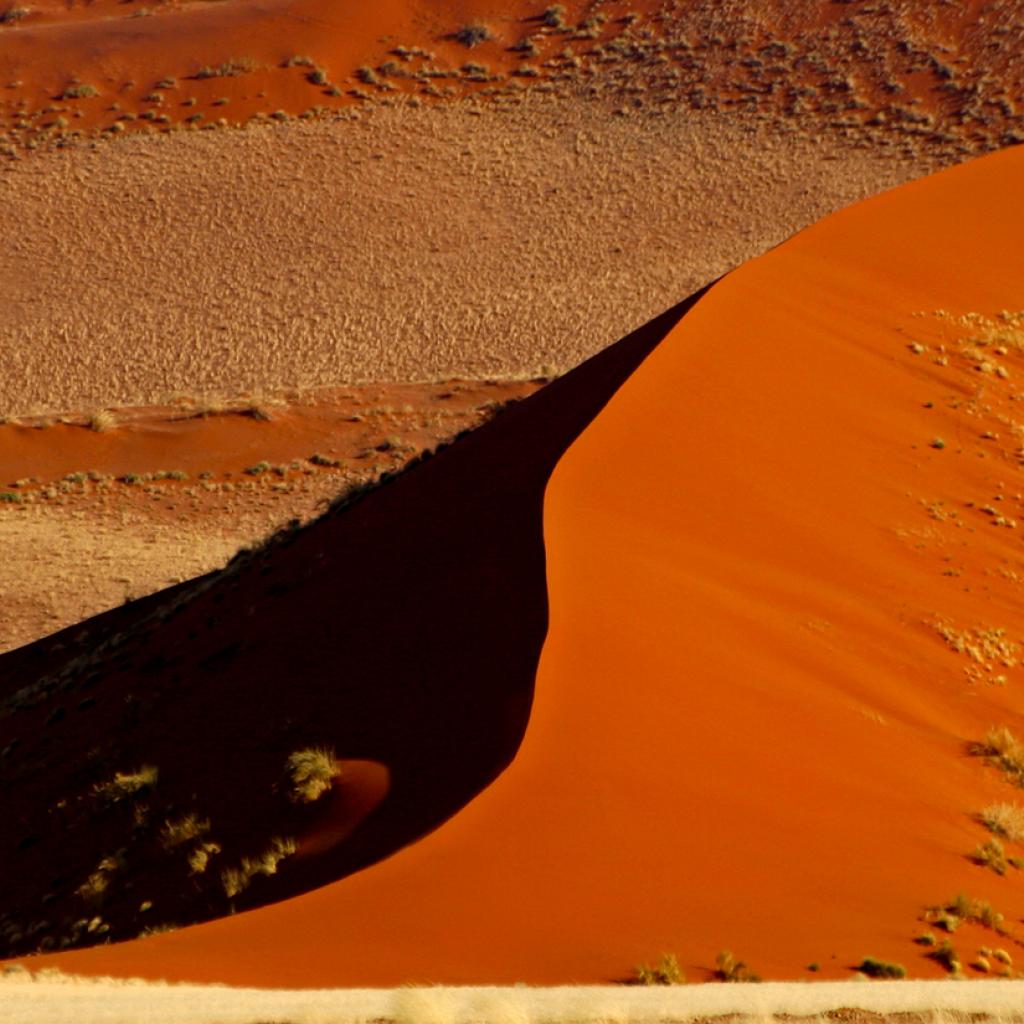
(749, 732)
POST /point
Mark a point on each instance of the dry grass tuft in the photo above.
(1006, 820)
(236, 880)
(1004, 751)
(126, 784)
(728, 968)
(101, 420)
(990, 854)
(666, 972)
(311, 772)
(183, 830)
(875, 968)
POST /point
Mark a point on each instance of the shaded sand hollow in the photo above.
(776, 625)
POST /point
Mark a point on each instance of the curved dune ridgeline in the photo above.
(146, 752)
(784, 574)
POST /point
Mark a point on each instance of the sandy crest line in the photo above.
(107, 1002)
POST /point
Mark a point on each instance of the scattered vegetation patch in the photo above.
(963, 908)
(947, 956)
(310, 773)
(473, 35)
(990, 854)
(666, 972)
(183, 830)
(12, 15)
(1004, 751)
(101, 420)
(236, 880)
(229, 68)
(728, 968)
(127, 784)
(875, 968)
(1006, 820)
(78, 91)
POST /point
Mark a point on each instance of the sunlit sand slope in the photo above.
(782, 606)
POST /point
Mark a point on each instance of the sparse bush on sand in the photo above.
(229, 68)
(311, 772)
(183, 830)
(947, 956)
(78, 91)
(875, 968)
(101, 420)
(1004, 751)
(236, 880)
(728, 968)
(990, 854)
(125, 784)
(666, 972)
(473, 35)
(1006, 820)
(12, 15)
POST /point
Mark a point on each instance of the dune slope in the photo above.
(784, 576)
(145, 751)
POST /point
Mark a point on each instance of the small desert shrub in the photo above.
(10, 497)
(925, 939)
(183, 830)
(666, 972)
(318, 76)
(990, 854)
(964, 908)
(236, 880)
(554, 16)
(199, 857)
(875, 968)
(229, 68)
(473, 35)
(259, 469)
(167, 83)
(101, 420)
(78, 91)
(947, 956)
(13, 15)
(299, 61)
(310, 772)
(324, 460)
(1004, 751)
(1005, 820)
(125, 784)
(728, 968)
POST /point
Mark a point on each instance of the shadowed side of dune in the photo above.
(402, 628)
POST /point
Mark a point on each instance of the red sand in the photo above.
(747, 733)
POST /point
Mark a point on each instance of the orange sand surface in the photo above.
(751, 718)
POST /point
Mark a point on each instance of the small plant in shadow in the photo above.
(666, 972)
(12, 15)
(127, 784)
(947, 956)
(473, 35)
(311, 772)
(183, 830)
(236, 880)
(990, 854)
(875, 968)
(728, 968)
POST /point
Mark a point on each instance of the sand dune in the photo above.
(775, 630)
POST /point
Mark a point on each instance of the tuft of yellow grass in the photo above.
(311, 772)
(102, 420)
(125, 784)
(236, 880)
(1006, 820)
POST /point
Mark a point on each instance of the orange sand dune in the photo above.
(751, 718)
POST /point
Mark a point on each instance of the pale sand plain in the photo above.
(460, 240)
